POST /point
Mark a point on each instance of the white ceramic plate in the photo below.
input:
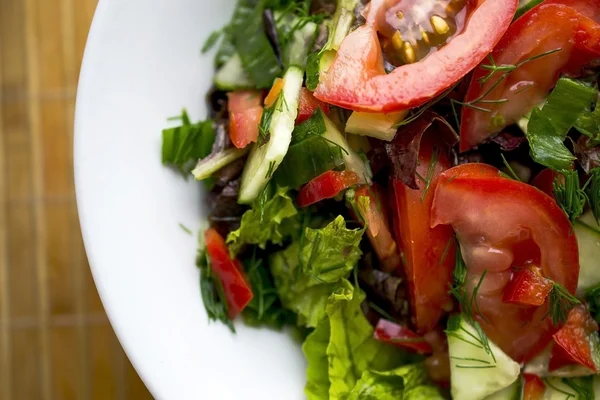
(143, 64)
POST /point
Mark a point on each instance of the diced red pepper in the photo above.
(533, 387)
(527, 287)
(378, 230)
(308, 105)
(326, 186)
(245, 112)
(401, 336)
(229, 271)
(572, 341)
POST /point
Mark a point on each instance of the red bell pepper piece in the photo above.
(533, 387)
(527, 287)
(326, 186)
(572, 341)
(229, 271)
(401, 336)
(308, 105)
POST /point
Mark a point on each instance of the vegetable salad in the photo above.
(410, 188)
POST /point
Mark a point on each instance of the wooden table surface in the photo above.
(55, 340)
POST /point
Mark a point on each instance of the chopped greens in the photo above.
(184, 145)
(569, 196)
(594, 193)
(212, 293)
(561, 302)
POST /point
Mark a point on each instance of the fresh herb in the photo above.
(561, 302)
(211, 41)
(264, 128)
(265, 308)
(505, 70)
(547, 148)
(416, 113)
(430, 172)
(510, 169)
(211, 289)
(183, 145)
(593, 192)
(588, 123)
(185, 229)
(569, 196)
(592, 297)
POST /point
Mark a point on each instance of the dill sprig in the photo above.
(569, 196)
(593, 192)
(430, 172)
(560, 303)
(493, 68)
(512, 173)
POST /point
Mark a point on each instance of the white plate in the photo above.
(143, 64)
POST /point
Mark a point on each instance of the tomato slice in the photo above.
(378, 230)
(527, 287)
(533, 387)
(229, 271)
(245, 112)
(326, 186)
(428, 253)
(308, 104)
(572, 341)
(547, 27)
(503, 226)
(357, 79)
(401, 336)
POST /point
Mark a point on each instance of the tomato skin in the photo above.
(549, 26)
(572, 341)
(545, 181)
(308, 105)
(245, 112)
(429, 253)
(229, 271)
(357, 80)
(401, 336)
(378, 230)
(504, 225)
(326, 186)
(533, 387)
(527, 287)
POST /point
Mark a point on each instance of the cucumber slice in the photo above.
(353, 161)
(214, 162)
(588, 238)
(512, 392)
(572, 389)
(264, 159)
(378, 125)
(475, 372)
(233, 76)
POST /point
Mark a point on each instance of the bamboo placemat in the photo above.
(55, 340)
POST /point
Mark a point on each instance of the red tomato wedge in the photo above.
(308, 104)
(401, 336)
(428, 253)
(326, 186)
(357, 79)
(572, 341)
(245, 112)
(545, 181)
(561, 26)
(527, 287)
(236, 288)
(505, 225)
(533, 387)
(379, 231)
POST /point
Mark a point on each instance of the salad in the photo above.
(410, 187)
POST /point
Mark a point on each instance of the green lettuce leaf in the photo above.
(272, 217)
(315, 351)
(310, 269)
(352, 349)
(409, 382)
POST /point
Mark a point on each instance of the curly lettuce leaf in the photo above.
(352, 349)
(271, 219)
(409, 382)
(310, 269)
(315, 351)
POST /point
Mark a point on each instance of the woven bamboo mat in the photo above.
(55, 340)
